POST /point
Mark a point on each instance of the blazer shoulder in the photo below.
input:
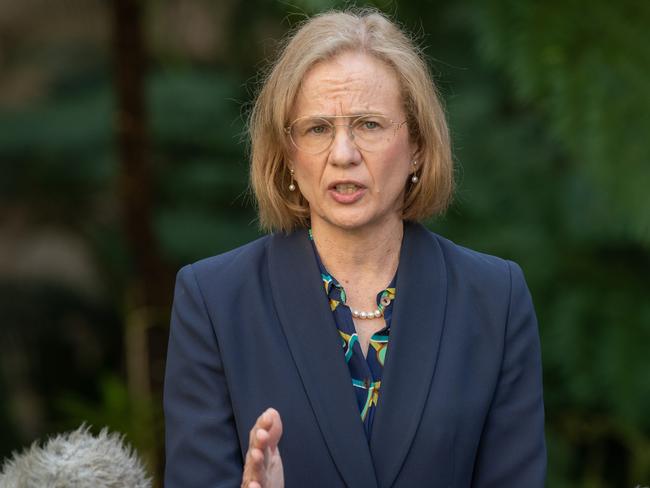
(477, 268)
(494, 285)
(233, 263)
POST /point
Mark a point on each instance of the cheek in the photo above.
(303, 174)
(395, 169)
(404, 161)
(307, 177)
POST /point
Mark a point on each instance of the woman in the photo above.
(389, 355)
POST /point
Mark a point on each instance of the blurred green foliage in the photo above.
(586, 71)
(548, 104)
(139, 419)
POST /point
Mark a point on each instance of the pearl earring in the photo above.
(414, 178)
(292, 186)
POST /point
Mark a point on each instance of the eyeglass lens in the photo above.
(315, 134)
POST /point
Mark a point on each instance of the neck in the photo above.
(364, 258)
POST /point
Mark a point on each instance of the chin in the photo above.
(353, 218)
(350, 222)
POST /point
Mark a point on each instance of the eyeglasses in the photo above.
(370, 132)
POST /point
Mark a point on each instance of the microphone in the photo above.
(76, 459)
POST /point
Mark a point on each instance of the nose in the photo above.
(344, 151)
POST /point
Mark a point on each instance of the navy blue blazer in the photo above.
(461, 401)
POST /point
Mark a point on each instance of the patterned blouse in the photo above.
(366, 371)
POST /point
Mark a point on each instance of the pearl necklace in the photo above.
(375, 314)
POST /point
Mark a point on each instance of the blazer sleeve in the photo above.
(201, 441)
(512, 450)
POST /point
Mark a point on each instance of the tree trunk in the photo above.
(149, 289)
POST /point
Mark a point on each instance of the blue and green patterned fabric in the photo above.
(366, 371)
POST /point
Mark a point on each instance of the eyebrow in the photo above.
(346, 116)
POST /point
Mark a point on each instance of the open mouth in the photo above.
(346, 188)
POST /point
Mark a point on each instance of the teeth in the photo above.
(346, 188)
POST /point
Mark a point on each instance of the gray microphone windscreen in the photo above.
(76, 459)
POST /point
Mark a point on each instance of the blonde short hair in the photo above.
(321, 38)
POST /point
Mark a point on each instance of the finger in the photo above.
(265, 420)
(253, 465)
(262, 438)
(251, 436)
(275, 428)
(262, 422)
(257, 465)
(254, 468)
(262, 442)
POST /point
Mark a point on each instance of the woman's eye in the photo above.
(318, 130)
(369, 125)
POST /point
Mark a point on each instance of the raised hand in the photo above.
(263, 466)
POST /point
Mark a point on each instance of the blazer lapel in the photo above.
(416, 328)
(315, 345)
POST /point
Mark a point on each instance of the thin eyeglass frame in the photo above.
(287, 129)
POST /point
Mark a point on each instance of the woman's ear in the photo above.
(416, 151)
(416, 160)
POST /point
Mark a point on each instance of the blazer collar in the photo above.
(416, 327)
(307, 321)
(315, 345)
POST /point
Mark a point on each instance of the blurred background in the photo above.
(123, 156)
